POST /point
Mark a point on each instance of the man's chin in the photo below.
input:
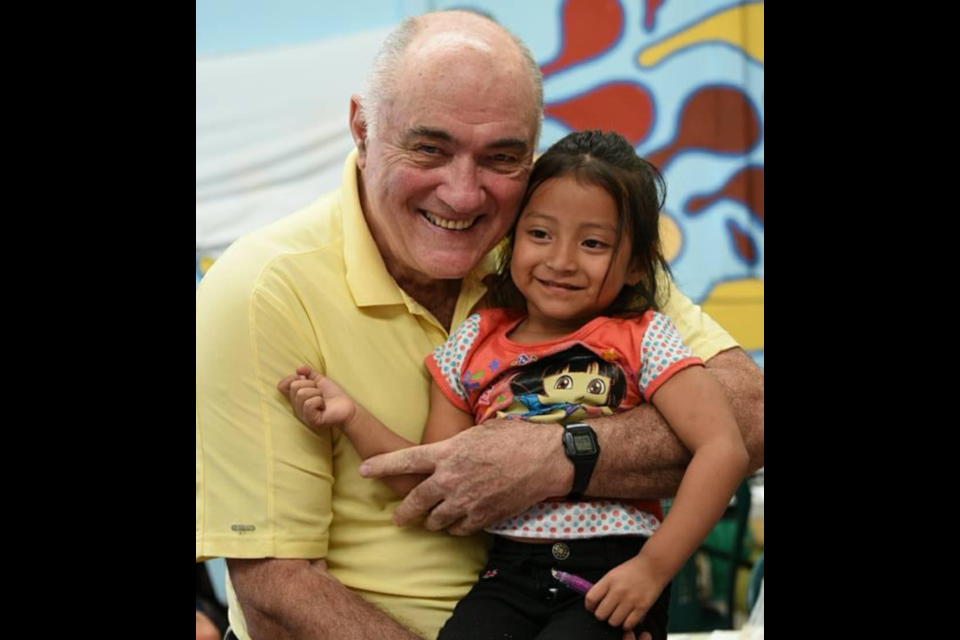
(450, 267)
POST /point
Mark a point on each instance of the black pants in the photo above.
(516, 596)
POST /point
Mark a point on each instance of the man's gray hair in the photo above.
(383, 78)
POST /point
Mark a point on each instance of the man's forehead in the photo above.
(442, 135)
(458, 87)
(471, 53)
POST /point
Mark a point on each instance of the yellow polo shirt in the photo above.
(312, 289)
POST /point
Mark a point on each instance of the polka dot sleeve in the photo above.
(662, 354)
(446, 363)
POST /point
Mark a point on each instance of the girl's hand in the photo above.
(317, 400)
(625, 595)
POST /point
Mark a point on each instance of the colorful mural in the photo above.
(683, 81)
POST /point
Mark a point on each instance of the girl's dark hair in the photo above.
(608, 161)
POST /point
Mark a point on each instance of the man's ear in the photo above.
(358, 129)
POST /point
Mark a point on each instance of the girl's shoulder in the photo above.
(489, 320)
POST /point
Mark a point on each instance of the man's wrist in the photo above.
(560, 469)
(583, 450)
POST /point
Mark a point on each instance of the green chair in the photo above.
(690, 610)
(756, 579)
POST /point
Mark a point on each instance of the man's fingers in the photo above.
(419, 459)
(466, 526)
(418, 503)
(443, 516)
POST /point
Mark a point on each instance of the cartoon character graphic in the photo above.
(565, 387)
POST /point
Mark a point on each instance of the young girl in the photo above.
(576, 335)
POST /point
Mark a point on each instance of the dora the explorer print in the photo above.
(609, 365)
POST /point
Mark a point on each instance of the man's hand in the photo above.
(483, 475)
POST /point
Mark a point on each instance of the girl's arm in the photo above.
(694, 405)
(697, 410)
(320, 402)
(371, 437)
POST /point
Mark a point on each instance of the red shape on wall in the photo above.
(624, 107)
(650, 8)
(716, 119)
(745, 187)
(744, 244)
(589, 27)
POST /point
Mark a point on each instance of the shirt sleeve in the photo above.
(264, 480)
(448, 362)
(662, 355)
(699, 331)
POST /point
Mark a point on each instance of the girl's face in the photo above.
(563, 260)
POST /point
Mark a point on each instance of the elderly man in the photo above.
(362, 285)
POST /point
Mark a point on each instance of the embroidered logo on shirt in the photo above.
(243, 528)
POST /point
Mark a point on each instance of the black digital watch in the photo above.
(581, 446)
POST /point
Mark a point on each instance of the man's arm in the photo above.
(498, 469)
(643, 458)
(260, 471)
(293, 599)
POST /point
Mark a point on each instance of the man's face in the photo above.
(444, 176)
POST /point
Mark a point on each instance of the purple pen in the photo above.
(576, 583)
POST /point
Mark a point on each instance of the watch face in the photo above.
(583, 443)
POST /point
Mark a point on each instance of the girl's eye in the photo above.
(539, 234)
(594, 244)
(564, 382)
